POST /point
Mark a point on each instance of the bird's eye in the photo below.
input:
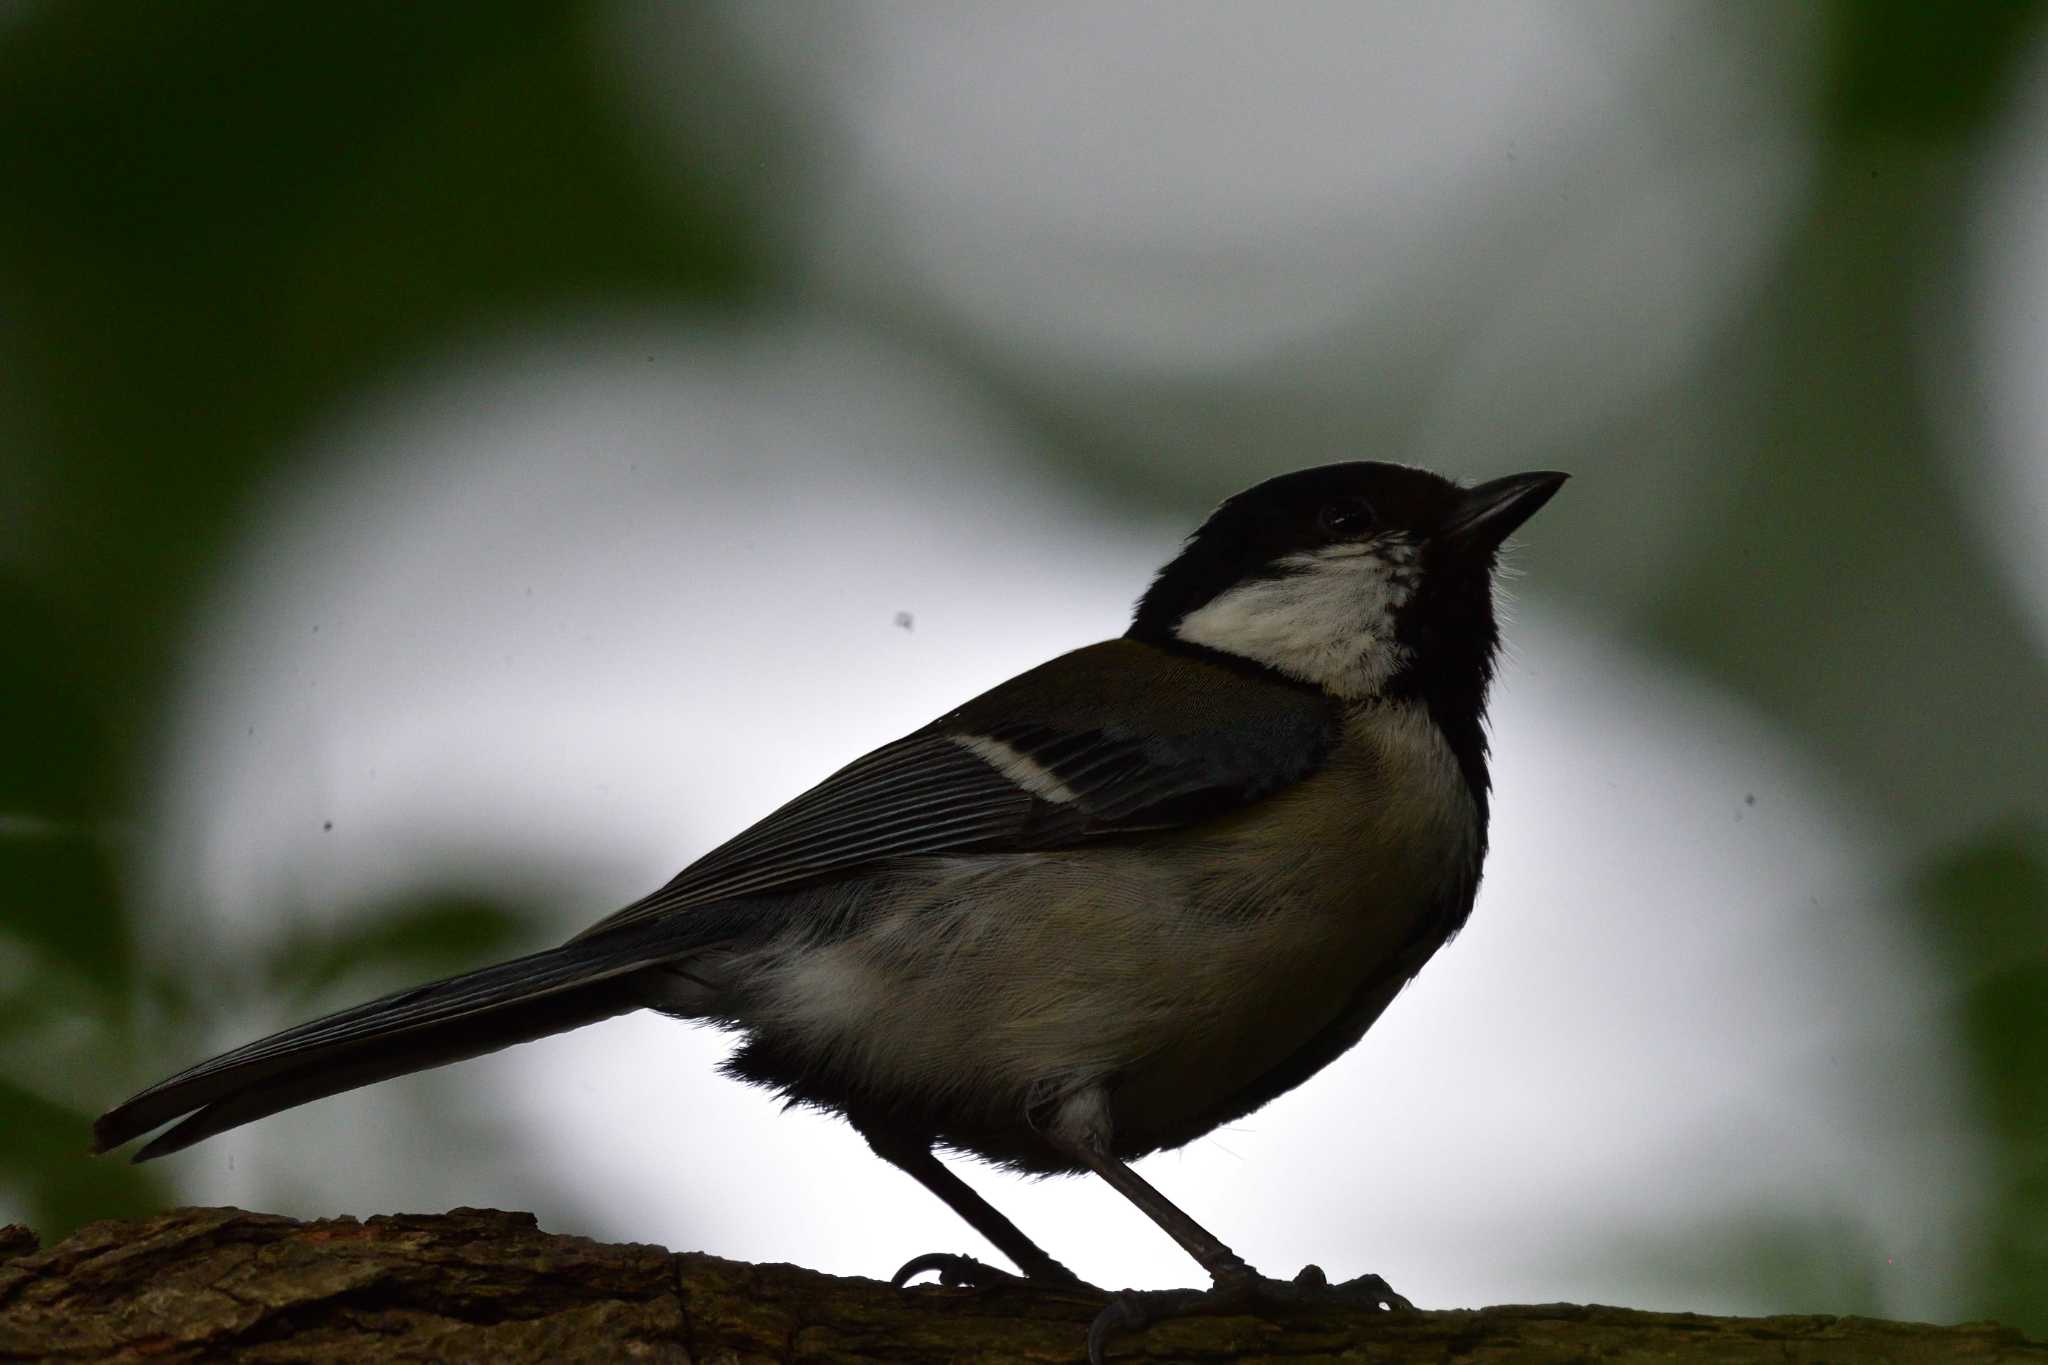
(1345, 518)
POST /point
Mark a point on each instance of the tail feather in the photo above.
(410, 1030)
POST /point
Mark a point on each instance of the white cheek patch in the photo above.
(1329, 620)
(1022, 769)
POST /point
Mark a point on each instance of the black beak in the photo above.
(1489, 514)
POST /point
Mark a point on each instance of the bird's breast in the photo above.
(1310, 904)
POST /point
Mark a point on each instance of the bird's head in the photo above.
(1367, 580)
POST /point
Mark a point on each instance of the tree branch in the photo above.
(477, 1285)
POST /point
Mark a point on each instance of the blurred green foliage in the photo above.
(1897, 67)
(1847, 509)
(1989, 902)
(221, 219)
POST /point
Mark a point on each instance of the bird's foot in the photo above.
(955, 1272)
(1134, 1310)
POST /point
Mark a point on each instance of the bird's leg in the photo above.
(1220, 1261)
(914, 1157)
(1082, 1132)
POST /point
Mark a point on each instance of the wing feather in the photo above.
(1141, 740)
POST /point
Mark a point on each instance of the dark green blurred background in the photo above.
(221, 223)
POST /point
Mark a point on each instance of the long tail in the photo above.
(427, 1026)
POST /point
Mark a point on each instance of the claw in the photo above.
(954, 1272)
(1367, 1290)
(1135, 1309)
(1118, 1315)
(918, 1265)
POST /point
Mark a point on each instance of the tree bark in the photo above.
(478, 1285)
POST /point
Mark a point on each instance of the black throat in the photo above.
(1451, 640)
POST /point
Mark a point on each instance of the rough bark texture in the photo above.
(485, 1286)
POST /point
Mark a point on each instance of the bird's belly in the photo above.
(1175, 974)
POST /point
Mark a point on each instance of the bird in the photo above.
(1125, 897)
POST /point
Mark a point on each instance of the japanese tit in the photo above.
(1115, 902)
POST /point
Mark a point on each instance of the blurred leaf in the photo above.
(1840, 590)
(434, 937)
(57, 893)
(56, 754)
(60, 1183)
(1765, 1260)
(57, 898)
(221, 217)
(1989, 901)
(1918, 69)
(19, 1014)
